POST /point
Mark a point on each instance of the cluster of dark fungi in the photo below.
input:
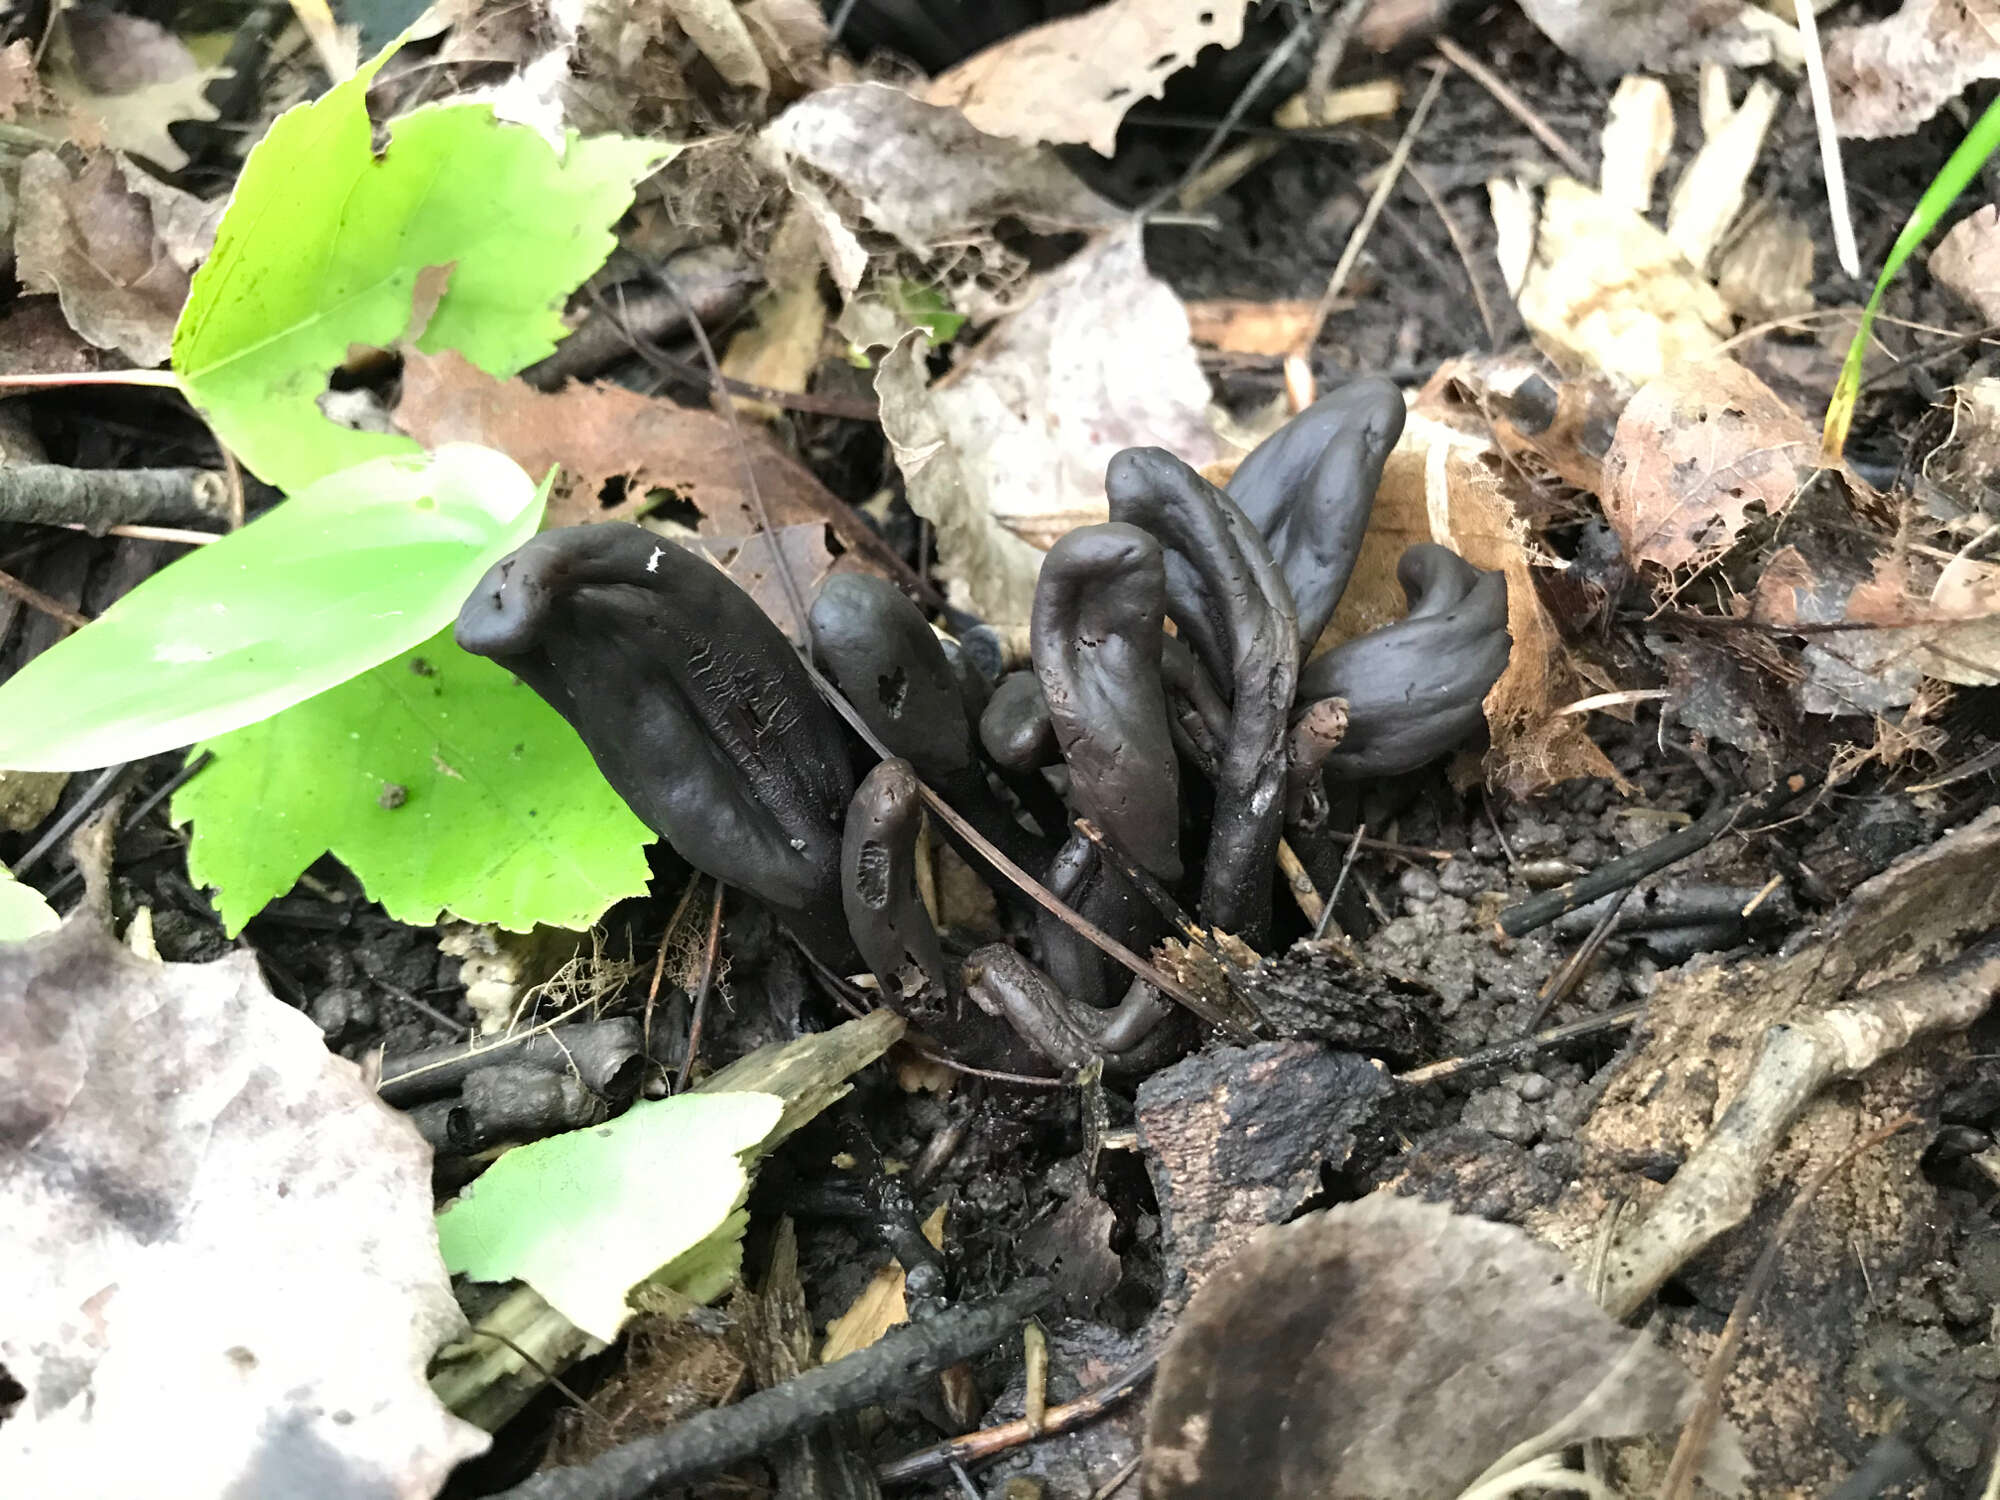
(1170, 704)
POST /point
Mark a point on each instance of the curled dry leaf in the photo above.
(1947, 627)
(1697, 452)
(114, 245)
(1010, 452)
(1967, 260)
(218, 1240)
(1889, 76)
(1393, 1350)
(1072, 80)
(130, 78)
(604, 437)
(918, 172)
(1603, 289)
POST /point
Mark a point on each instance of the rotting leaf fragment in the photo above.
(1392, 1350)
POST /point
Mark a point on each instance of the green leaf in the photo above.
(925, 307)
(363, 565)
(585, 1216)
(1980, 142)
(439, 780)
(324, 242)
(23, 912)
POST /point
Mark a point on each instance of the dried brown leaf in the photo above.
(1008, 452)
(598, 433)
(1602, 289)
(1235, 325)
(1072, 80)
(920, 172)
(1391, 1350)
(130, 78)
(1967, 260)
(1696, 452)
(115, 246)
(218, 1241)
(1889, 76)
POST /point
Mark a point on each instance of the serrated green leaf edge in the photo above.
(164, 666)
(573, 868)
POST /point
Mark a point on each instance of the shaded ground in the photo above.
(1911, 1349)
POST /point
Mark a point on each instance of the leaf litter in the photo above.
(1649, 421)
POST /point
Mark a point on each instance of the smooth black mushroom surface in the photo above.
(1309, 488)
(692, 702)
(1015, 726)
(1100, 611)
(885, 658)
(878, 887)
(1228, 597)
(1004, 984)
(1415, 689)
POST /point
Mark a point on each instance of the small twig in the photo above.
(177, 534)
(1273, 64)
(1300, 883)
(1458, 243)
(1329, 55)
(706, 1441)
(1117, 1481)
(703, 986)
(660, 963)
(1354, 846)
(1716, 1187)
(1844, 248)
(1523, 917)
(1693, 1445)
(93, 797)
(1349, 255)
(975, 1447)
(1984, 761)
(1565, 979)
(34, 598)
(57, 495)
(1515, 105)
(1505, 1052)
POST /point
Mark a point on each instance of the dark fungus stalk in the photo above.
(886, 660)
(1228, 597)
(1100, 608)
(1004, 984)
(692, 702)
(1415, 689)
(1310, 488)
(878, 886)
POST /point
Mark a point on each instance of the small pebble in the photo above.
(1532, 1087)
(1418, 884)
(1499, 1111)
(1462, 877)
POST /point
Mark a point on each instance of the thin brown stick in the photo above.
(1354, 847)
(1565, 979)
(1351, 253)
(1464, 250)
(1693, 1444)
(660, 964)
(1503, 1052)
(178, 535)
(1514, 104)
(34, 598)
(706, 983)
(975, 1447)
